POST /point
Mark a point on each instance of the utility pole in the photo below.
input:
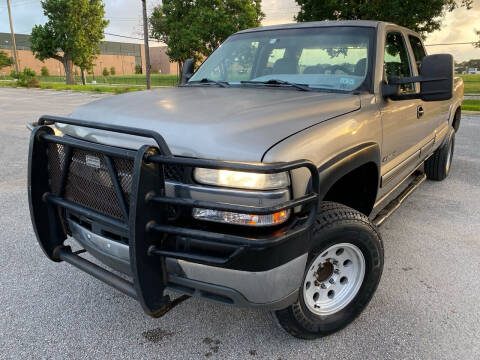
(145, 37)
(14, 43)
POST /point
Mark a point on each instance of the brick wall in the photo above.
(123, 64)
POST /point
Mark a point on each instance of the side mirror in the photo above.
(437, 75)
(187, 71)
(436, 80)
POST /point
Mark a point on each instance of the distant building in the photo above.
(122, 56)
(159, 61)
(473, 71)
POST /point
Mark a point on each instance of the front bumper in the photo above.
(272, 289)
(247, 269)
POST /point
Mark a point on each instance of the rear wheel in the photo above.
(343, 271)
(437, 167)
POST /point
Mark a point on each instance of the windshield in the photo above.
(336, 58)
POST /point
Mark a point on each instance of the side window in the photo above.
(396, 61)
(418, 50)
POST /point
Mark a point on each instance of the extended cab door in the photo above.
(404, 128)
(435, 113)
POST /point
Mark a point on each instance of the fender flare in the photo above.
(342, 164)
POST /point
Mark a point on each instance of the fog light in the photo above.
(241, 219)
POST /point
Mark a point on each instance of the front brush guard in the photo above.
(145, 220)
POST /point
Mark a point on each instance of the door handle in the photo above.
(420, 112)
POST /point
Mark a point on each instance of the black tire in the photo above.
(336, 223)
(437, 166)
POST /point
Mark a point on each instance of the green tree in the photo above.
(112, 70)
(5, 60)
(105, 72)
(421, 16)
(194, 28)
(71, 35)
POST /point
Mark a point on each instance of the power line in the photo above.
(129, 37)
(458, 43)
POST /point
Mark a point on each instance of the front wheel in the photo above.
(343, 271)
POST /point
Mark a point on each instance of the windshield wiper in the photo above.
(302, 87)
(210, 81)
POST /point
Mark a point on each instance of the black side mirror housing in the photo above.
(437, 74)
(187, 71)
(436, 80)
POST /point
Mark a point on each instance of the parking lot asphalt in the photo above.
(426, 307)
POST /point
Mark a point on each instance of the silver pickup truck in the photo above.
(260, 180)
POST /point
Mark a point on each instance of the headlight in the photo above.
(241, 219)
(241, 180)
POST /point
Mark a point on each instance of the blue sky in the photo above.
(125, 19)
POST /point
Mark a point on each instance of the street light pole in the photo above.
(145, 38)
(14, 44)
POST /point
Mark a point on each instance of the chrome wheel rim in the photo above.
(449, 157)
(333, 279)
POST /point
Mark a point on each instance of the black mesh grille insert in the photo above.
(174, 172)
(89, 183)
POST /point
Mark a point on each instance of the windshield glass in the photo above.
(336, 58)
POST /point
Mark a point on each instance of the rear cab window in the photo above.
(418, 50)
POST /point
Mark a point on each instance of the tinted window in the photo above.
(418, 50)
(396, 61)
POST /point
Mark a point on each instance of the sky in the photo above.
(125, 19)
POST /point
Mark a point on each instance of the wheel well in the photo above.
(456, 119)
(357, 189)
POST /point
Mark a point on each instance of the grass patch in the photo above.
(471, 105)
(92, 88)
(471, 83)
(8, 84)
(133, 80)
(85, 88)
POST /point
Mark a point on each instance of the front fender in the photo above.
(334, 169)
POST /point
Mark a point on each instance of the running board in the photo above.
(395, 203)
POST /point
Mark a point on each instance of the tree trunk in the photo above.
(84, 77)
(68, 65)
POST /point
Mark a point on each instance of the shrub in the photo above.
(105, 72)
(28, 78)
(138, 69)
(44, 71)
(112, 70)
(14, 74)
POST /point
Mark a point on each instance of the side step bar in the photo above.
(395, 203)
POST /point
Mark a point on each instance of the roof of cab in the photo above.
(362, 23)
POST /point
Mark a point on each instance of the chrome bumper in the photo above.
(273, 289)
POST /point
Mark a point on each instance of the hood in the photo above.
(238, 124)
